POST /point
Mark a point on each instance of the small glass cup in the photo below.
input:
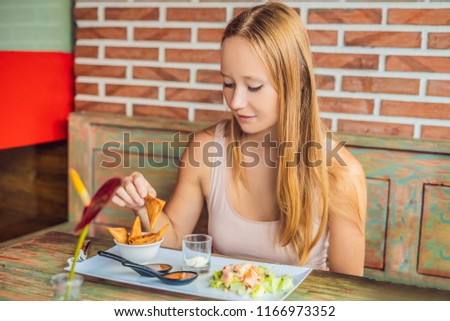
(197, 252)
(63, 290)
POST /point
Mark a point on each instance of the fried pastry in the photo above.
(136, 230)
(154, 207)
(119, 233)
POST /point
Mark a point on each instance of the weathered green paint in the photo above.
(396, 143)
(434, 252)
(26, 267)
(396, 170)
(408, 173)
(377, 210)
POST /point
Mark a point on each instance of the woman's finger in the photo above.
(122, 193)
(131, 190)
(139, 182)
(118, 201)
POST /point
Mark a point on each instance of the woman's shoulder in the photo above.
(203, 145)
(340, 161)
(208, 134)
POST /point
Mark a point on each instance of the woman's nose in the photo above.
(239, 100)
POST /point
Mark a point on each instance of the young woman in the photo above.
(273, 193)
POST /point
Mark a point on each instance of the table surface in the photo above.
(27, 265)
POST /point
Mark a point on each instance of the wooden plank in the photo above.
(33, 184)
(406, 194)
(396, 143)
(434, 251)
(376, 222)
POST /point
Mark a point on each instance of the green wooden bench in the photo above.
(408, 223)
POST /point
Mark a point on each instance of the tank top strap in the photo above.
(220, 131)
(216, 188)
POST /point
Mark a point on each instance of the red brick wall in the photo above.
(381, 68)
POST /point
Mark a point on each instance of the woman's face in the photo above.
(247, 88)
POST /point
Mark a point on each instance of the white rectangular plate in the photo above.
(108, 269)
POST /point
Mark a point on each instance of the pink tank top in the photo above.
(236, 236)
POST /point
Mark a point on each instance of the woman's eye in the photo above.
(225, 85)
(253, 89)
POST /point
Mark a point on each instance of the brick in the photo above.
(167, 74)
(375, 128)
(162, 34)
(344, 16)
(132, 91)
(439, 40)
(419, 16)
(322, 37)
(438, 88)
(238, 11)
(95, 106)
(99, 71)
(194, 95)
(435, 132)
(381, 85)
(86, 88)
(347, 61)
(160, 111)
(212, 116)
(346, 105)
(209, 76)
(131, 53)
(418, 63)
(383, 39)
(85, 14)
(86, 51)
(325, 82)
(210, 35)
(118, 33)
(415, 109)
(192, 55)
(131, 14)
(196, 14)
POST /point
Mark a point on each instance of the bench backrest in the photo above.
(408, 223)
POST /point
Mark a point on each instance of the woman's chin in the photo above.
(256, 131)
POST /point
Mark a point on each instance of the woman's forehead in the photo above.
(239, 59)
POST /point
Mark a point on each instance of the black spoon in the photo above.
(171, 278)
(158, 267)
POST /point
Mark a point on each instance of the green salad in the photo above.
(249, 279)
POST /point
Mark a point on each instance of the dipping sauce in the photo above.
(179, 275)
(158, 267)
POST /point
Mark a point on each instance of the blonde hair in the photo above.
(279, 38)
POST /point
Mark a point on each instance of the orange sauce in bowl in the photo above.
(158, 267)
(179, 275)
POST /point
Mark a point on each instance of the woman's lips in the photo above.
(246, 119)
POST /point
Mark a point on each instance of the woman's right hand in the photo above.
(132, 192)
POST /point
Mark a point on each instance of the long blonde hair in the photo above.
(279, 38)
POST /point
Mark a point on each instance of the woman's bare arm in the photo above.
(347, 218)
